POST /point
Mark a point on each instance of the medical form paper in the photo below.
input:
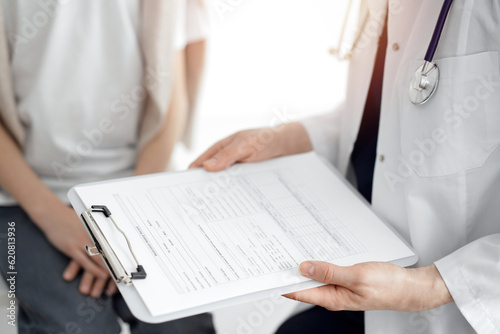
(239, 234)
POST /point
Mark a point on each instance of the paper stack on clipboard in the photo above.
(184, 243)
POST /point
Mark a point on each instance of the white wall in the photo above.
(268, 58)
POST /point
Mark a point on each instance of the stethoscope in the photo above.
(426, 79)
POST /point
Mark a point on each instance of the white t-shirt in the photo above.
(77, 72)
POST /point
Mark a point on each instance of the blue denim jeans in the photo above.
(49, 304)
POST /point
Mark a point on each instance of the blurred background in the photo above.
(268, 63)
(267, 60)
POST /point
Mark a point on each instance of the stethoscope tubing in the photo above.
(431, 50)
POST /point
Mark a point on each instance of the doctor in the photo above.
(432, 170)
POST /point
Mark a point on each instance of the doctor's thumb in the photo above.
(214, 164)
(322, 272)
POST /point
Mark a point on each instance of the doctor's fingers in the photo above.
(235, 151)
(240, 147)
(244, 146)
(331, 297)
(211, 151)
(334, 296)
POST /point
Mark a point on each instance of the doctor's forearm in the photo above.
(295, 139)
(155, 156)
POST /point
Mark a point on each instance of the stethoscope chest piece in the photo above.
(424, 83)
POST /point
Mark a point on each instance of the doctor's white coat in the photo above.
(437, 175)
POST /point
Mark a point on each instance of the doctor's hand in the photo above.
(255, 145)
(373, 286)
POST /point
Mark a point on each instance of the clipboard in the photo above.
(136, 303)
(101, 246)
(94, 214)
(129, 293)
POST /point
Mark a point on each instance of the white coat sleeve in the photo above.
(324, 133)
(472, 275)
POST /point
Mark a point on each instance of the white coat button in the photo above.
(395, 46)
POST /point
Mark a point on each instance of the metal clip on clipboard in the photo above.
(102, 247)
